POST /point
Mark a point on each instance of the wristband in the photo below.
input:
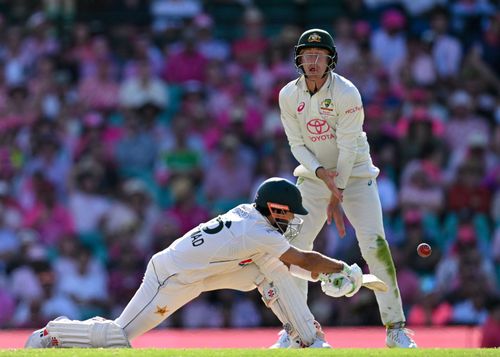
(301, 273)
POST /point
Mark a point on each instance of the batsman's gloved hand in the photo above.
(346, 283)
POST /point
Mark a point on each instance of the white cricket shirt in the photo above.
(224, 244)
(326, 129)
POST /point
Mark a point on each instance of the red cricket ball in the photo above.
(424, 250)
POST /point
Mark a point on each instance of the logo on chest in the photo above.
(326, 107)
(319, 130)
(301, 107)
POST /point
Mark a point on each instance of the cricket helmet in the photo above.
(282, 192)
(276, 197)
(316, 38)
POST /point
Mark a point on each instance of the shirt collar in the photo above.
(301, 82)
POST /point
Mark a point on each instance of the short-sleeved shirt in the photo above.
(224, 244)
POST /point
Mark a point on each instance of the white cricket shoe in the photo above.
(283, 340)
(399, 337)
(317, 343)
(320, 343)
(38, 339)
(42, 339)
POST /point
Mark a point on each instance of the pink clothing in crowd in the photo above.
(439, 316)
(52, 225)
(184, 66)
(187, 219)
(249, 51)
(249, 116)
(98, 94)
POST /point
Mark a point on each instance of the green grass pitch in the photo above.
(228, 352)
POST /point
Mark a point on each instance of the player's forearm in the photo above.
(305, 157)
(344, 167)
(318, 263)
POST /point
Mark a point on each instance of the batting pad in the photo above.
(92, 333)
(282, 296)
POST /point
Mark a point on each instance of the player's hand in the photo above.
(336, 285)
(355, 275)
(328, 177)
(345, 283)
(334, 212)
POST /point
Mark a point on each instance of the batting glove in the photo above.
(346, 283)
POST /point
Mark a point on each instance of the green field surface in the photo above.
(228, 352)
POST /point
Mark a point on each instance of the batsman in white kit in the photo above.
(246, 248)
(322, 114)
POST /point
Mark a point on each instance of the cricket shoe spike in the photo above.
(399, 337)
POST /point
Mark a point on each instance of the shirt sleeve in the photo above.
(292, 130)
(270, 241)
(349, 128)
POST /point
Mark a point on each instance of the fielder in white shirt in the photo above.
(242, 249)
(322, 115)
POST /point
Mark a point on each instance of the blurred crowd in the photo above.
(116, 137)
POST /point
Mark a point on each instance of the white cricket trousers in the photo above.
(162, 293)
(362, 207)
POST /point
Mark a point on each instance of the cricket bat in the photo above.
(371, 282)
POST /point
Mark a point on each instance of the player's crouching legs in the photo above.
(92, 333)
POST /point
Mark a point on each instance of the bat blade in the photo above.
(371, 282)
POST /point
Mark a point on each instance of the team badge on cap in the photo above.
(314, 38)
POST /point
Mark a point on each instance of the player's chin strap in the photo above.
(280, 294)
(92, 333)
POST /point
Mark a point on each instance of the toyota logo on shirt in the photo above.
(318, 126)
